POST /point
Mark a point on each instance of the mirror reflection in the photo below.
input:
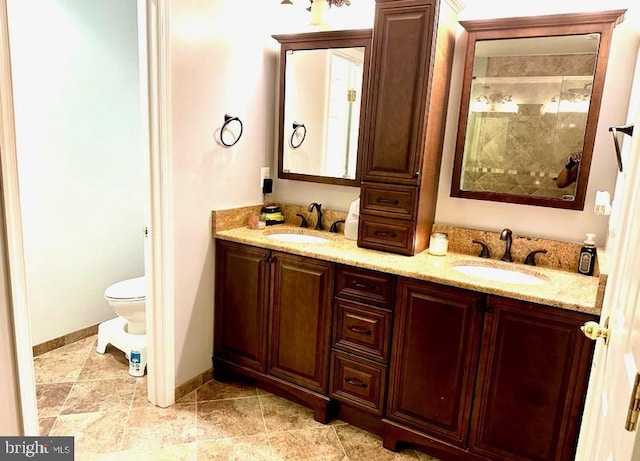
(527, 117)
(323, 96)
(323, 80)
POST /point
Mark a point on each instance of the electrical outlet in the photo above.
(265, 172)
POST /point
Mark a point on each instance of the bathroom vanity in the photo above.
(408, 347)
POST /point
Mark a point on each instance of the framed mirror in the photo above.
(531, 95)
(322, 98)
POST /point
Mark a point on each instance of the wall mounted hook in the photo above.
(299, 132)
(228, 119)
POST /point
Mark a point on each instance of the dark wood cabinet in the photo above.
(461, 374)
(531, 382)
(242, 300)
(413, 42)
(273, 321)
(300, 320)
(434, 356)
(485, 379)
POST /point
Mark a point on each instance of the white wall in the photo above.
(76, 93)
(568, 225)
(223, 61)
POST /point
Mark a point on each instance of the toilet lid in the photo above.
(130, 289)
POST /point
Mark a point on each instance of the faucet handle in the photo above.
(530, 260)
(334, 226)
(484, 253)
(303, 222)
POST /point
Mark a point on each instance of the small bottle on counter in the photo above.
(587, 260)
(438, 244)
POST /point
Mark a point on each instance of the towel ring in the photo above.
(227, 120)
(626, 129)
(297, 126)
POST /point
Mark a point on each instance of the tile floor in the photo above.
(92, 397)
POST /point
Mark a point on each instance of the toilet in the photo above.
(127, 332)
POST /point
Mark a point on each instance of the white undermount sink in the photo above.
(497, 274)
(298, 238)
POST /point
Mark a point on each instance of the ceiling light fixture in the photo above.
(318, 7)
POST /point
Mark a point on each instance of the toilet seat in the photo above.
(126, 290)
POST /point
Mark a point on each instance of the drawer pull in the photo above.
(356, 382)
(362, 286)
(361, 330)
(384, 234)
(387, 201)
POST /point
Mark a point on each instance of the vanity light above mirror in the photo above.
(323, 80)
(532, 88)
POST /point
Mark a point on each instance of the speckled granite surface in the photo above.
(562, 289)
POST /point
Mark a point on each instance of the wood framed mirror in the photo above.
(531, 96)
(323, 81)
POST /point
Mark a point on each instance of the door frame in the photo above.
(159, 241)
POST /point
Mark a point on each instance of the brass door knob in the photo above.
(593, 330)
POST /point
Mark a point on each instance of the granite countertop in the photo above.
(562, 289)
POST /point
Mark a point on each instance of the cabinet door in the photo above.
(532, 381)
(434, 356)
(242, 296)
(402, 43)
(300, 320)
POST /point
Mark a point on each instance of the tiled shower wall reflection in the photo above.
(522, 153)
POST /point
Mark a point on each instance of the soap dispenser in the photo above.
(587, 260)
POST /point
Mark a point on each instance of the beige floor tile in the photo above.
(140, 396)
(222, 419)
(178, 452)
(425, 457)
(51, 397)
(62, 365)
(282, 415)
(150, 426)
(189, 398)
(45, 425)
(96, 432)
(112, 364)
(216, 390)
(307, 445)
(361, 445)
(254, 448)
(101, 395)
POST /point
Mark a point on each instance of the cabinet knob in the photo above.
(593, 330)
(416, 174)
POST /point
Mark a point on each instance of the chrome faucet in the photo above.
(318, 208)
(506, 236)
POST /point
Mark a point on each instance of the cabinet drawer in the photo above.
(362, 330)
(387, 200)
(365, 286)
(395, 236)
(359, 382)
